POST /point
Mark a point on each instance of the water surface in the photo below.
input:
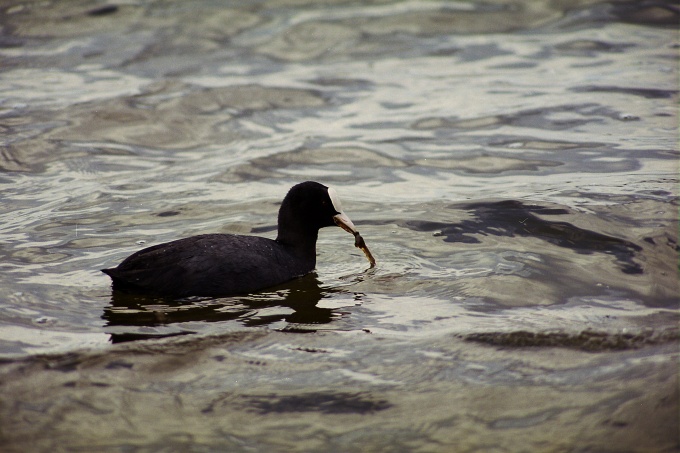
(513, 167)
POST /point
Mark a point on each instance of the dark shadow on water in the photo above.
(586, 340)
(513, 218)
(648, 93)
(301, 295)
(323, 402)
(361, 403)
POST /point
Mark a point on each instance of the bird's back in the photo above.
(209, 265)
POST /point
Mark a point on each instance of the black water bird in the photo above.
(229, 264)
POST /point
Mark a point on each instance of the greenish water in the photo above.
(512, 166)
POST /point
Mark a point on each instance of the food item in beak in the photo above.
(359, 243)
(346, 224)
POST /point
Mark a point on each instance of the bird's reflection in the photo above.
(301, 295)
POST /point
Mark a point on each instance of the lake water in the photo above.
(513, 167)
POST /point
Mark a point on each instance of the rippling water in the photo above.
(513, 166)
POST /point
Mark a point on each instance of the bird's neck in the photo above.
(299, 240)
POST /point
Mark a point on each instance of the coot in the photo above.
(229, 264)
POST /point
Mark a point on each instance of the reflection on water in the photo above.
(294, 305)
(512, 165)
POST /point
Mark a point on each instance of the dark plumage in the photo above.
(228, 264)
